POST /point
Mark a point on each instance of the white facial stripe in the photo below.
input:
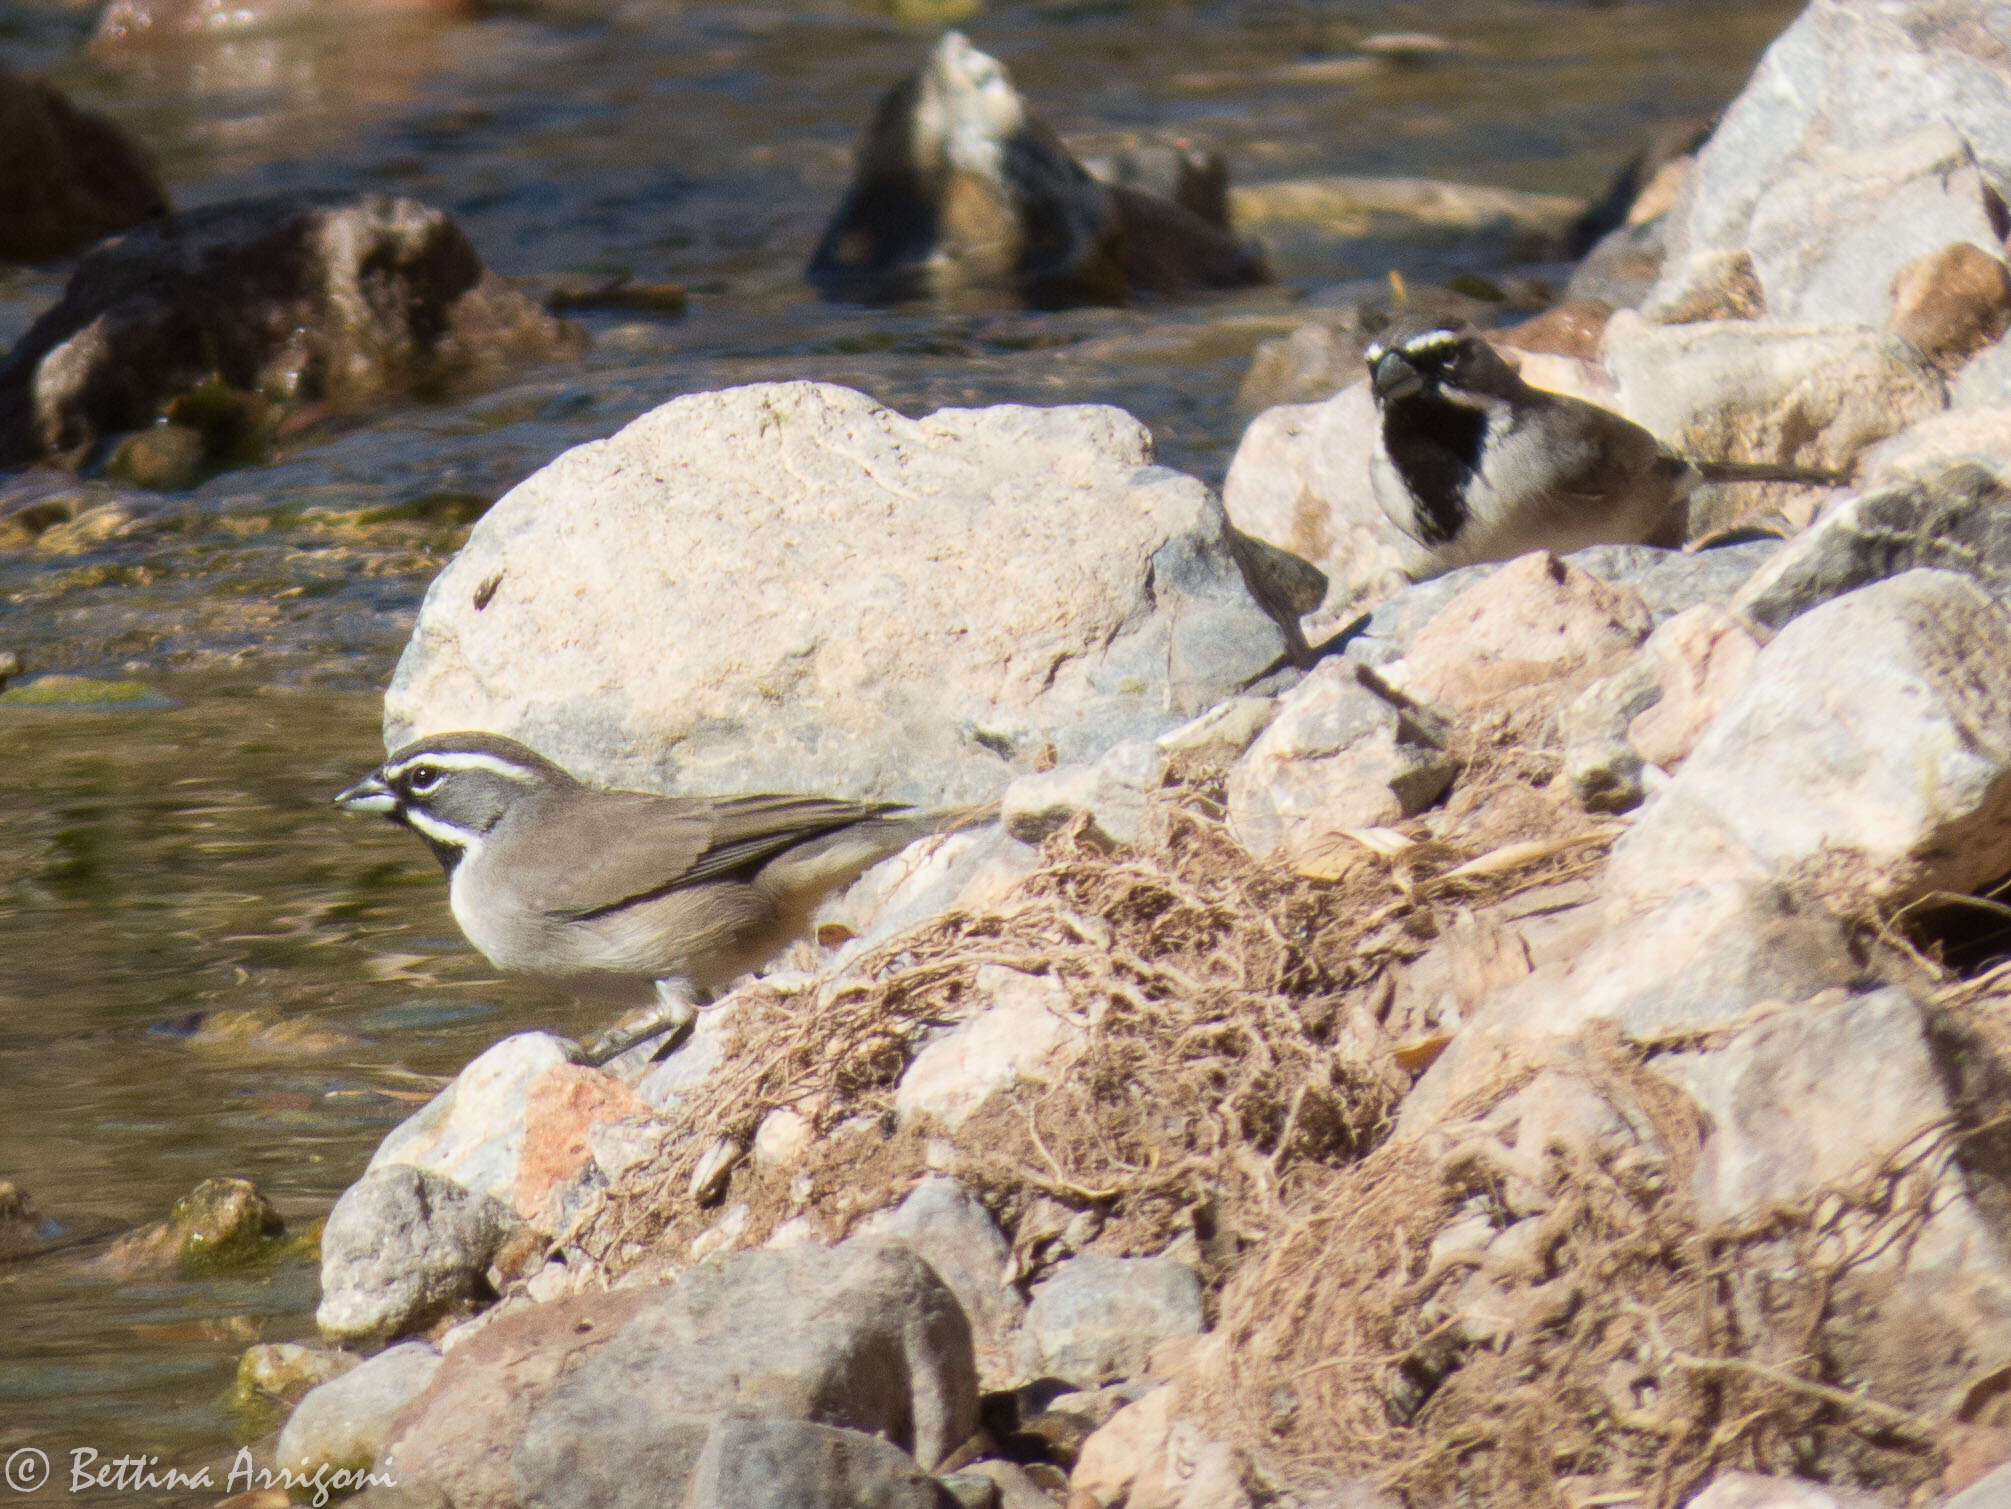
(461, 759)
(1433, 340)
(443, 833)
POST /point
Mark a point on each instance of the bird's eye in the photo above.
(422, 779)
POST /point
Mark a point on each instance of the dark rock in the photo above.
(1197, 181)
(403, 1247)
(67, 178)
(24, 1231)
(247, 310)
(752, 1462)
(958, 184)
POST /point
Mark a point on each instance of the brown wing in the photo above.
(646, 847)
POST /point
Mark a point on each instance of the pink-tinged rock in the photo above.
(1344, 751)
(1872, 736)
(1699, 659)
(1028, 1032)
(1536, 620)
(473, 1131)
(563, 1107)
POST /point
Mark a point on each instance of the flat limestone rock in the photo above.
(786, 587)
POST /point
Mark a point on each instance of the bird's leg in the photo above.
(670, 1019)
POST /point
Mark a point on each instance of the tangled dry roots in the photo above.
(1231, 1046)
(1635, 1350)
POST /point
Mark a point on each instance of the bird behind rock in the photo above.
(1477, 465)
(613, 893)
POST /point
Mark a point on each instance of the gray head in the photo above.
(453, 789)
(1438, 361)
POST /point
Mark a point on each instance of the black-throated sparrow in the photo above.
(1477, 465)
(612, 893)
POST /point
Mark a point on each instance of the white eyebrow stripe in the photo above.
(443, 833)
(462, 759)
(1432, 340)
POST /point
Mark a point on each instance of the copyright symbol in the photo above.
(27, 1470)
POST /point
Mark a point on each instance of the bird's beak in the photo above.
(1394, 377)
(368, 795)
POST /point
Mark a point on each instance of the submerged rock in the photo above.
(67, 178)
(220, 1226)
(789, 588)
(958, 184)
(227, 318)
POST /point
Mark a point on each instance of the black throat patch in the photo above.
(1435, 445)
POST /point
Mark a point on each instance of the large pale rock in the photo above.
(1841, 85)
(1735, 390)
(1872, 736)
(787, 587)
(1113, 793)
(1829, 241)
(1099, 1317)
(1300, 481)
(1698, 960)
(1818, 1096)
(752, 1462)
(1749, 1490)
(1028, 1030)
(346, 1422)
(943, 1224)
(1954, 517)
(66, 177)
(288, 300)
(402, 1248)
(1980, 434)
(1344, 751)
(1537, 620)
(473, 1131)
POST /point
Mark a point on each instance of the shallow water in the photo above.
(178, 857)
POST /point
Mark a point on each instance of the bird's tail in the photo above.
(1768, 471)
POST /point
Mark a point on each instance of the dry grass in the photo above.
(1636, 1350)
(1232, 1048)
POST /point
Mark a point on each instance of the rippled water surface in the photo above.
(172, 863)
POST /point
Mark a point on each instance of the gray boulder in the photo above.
(1100, 1317)
(944, 1225)
(750, 1461)
(403, 1247)
(866, 1337)
(227, 317)
(788, 587)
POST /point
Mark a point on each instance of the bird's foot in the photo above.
(670, 1021)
